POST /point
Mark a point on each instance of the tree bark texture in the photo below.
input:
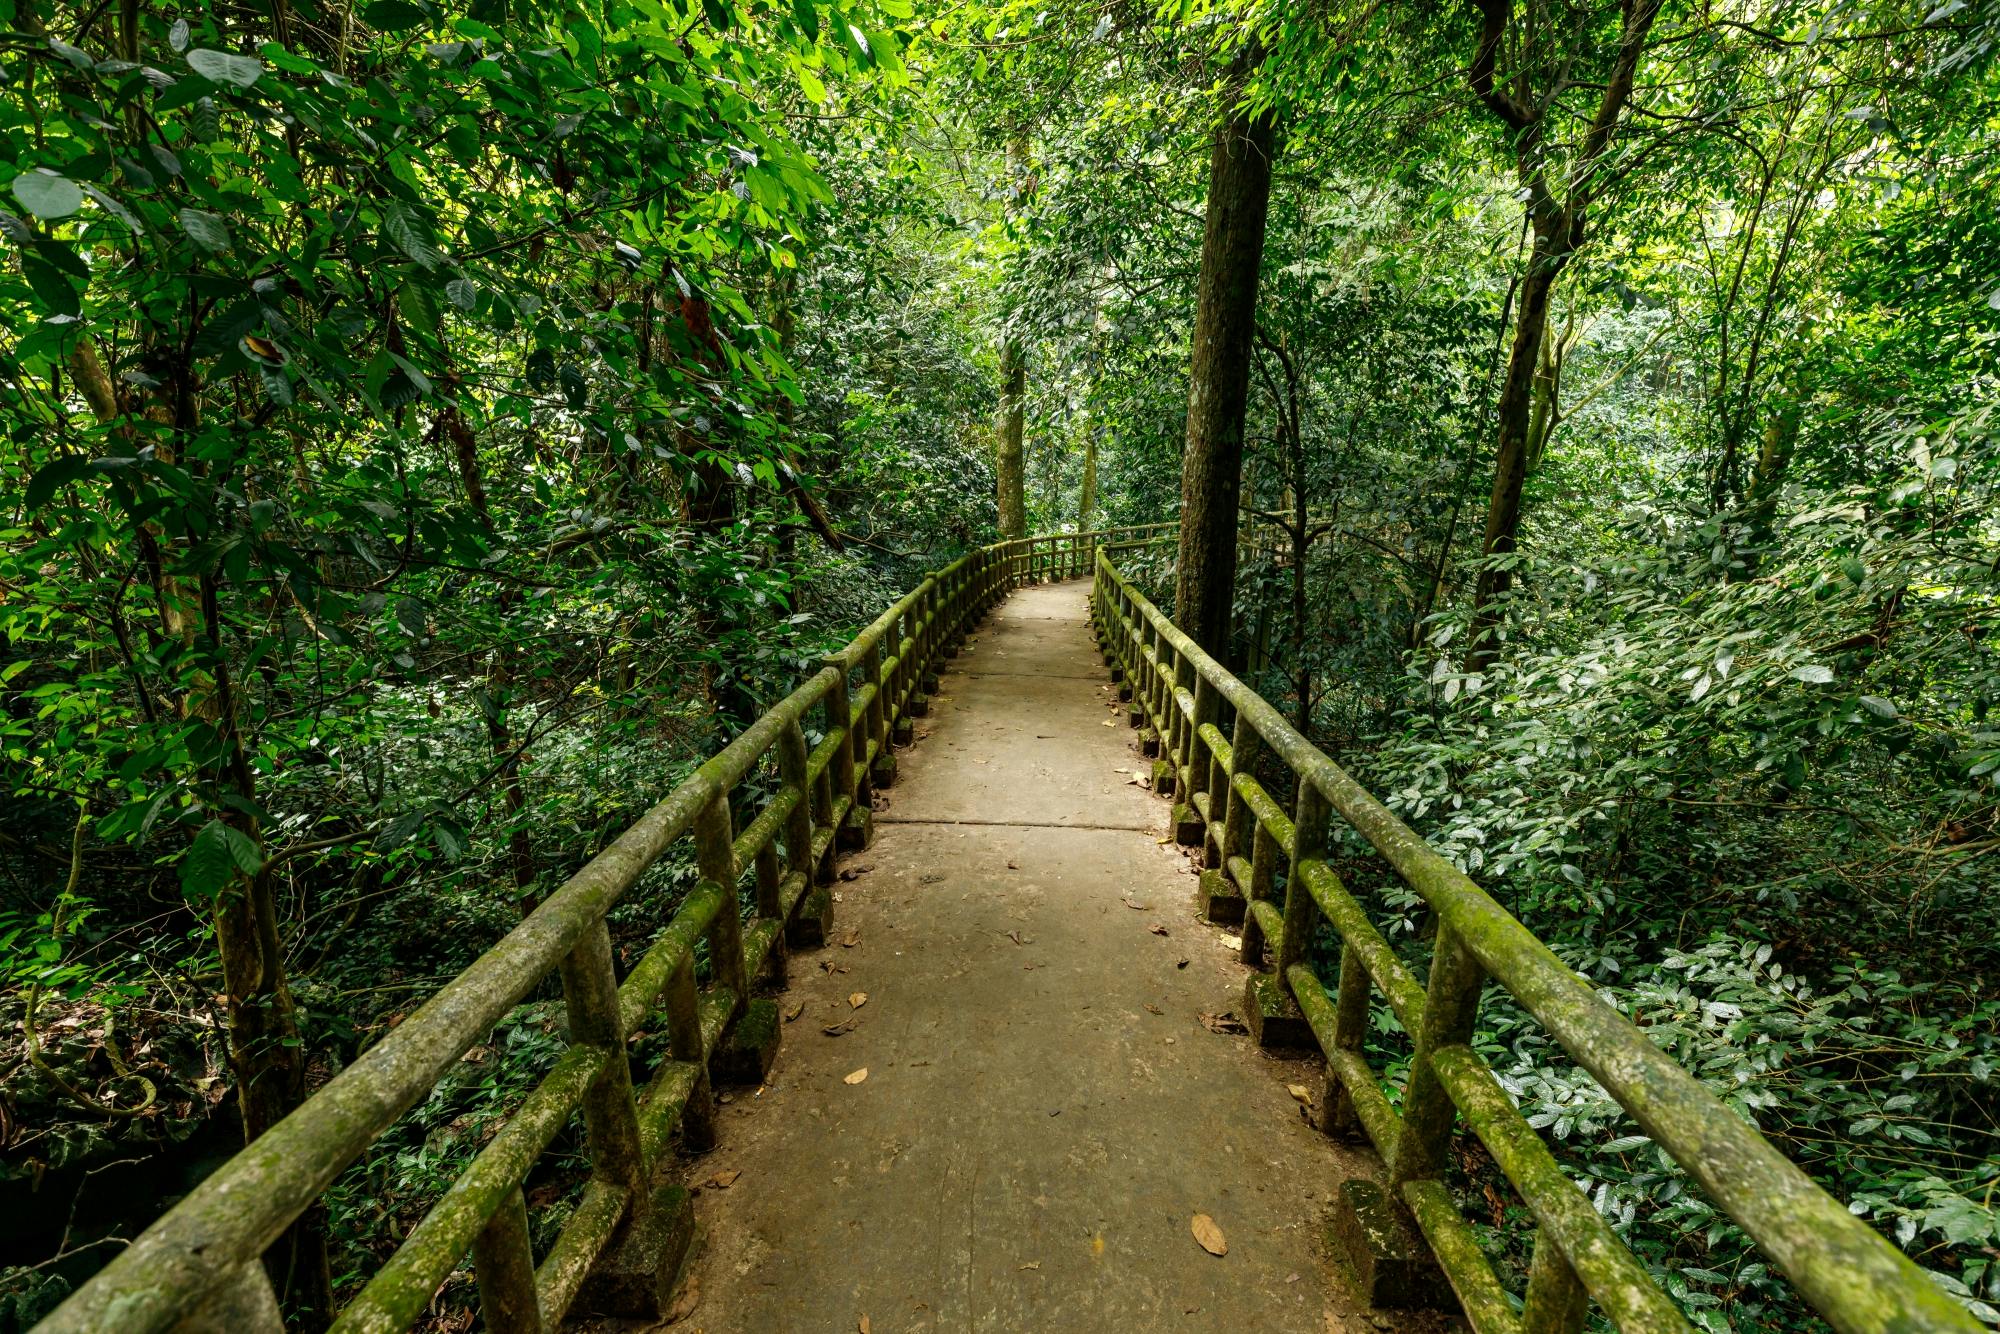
(1232, 253)
(1009, 468)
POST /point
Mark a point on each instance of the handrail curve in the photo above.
(1849, 1273)
(200, 1261)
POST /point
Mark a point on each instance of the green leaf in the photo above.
(206, 230)
(53, 476)
(225, 67)
(47, 195)
(1813, 673)
(400, 225)
(215, 857)
(395, 16)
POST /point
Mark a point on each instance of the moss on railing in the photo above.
(1854, 1278)
(202, 1255)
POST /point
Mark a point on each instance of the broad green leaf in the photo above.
(47, 195)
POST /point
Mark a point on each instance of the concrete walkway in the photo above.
(1044, 1109)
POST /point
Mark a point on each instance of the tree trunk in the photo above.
(1232, 252)
(1008, 467)
(1087, 502)
(1510, 464)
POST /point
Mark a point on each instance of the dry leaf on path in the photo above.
(1137, 907)
(857, 1000)
(1226, 1023)
(1015, 936)
(850, 940)
(856, 1077)
(1208, 1234)
(1032, 1264)
(844, 1026)
(1154, 1008)
(862, 1325)
(724, 1179)
(1233, 942)
(797, 1008)
(1013, 865)
(1159, 930)
(1301, 1092)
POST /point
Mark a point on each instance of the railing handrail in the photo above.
(1851, 1275)
(206, 1248)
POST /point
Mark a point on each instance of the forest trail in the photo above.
(1044, 1110)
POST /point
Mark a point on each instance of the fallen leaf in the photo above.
(1159, 930)
(856, 1078)
(798, 1008)
(829, 966)
(1226, 1022)
(724, 1179)
(1182, 964)
(1015, 936)
(850, 940)
(1208, 1234)
(844, 1026)
(1032, 1264)
(1301, 1092)
(1013, 865)
(857, 1000)
(1137, 907)
(1154, 1008)
(1110, 722)
(862, 1325)
(1233, 942)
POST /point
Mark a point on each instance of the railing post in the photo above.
(839, 705)
(503, 1262)
(611, 1118)
(715, 858)
(1451, 1002)
(882, 768)
(684, 1042)
(1556, 1302)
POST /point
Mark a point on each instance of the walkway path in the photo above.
(1044, 1109)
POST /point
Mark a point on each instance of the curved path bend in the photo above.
(1044, 1109)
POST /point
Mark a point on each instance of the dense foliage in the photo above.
(433, 427)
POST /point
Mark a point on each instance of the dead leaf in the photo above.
(798, 1008)
(1013, 865)
(724, 1179)
(1110, 722)
(1032, 1264)
(1182, 964)
(1159, 930)
(850, 940)
(853, 872)
(1208, 1234)
(862, 1325)
(844, 1026)
(1015, 936)
(1233, 942)
(1137, 907)
(857, 1000)
(1226, 1023)
(1300, 1092)
(1154, 1008)
(856, 1078)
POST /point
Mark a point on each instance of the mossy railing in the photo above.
(1214, 736)
(201, 1262)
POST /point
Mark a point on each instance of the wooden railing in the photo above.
(1215, 736)
(201, 1262)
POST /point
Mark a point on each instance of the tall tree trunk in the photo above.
(1010, 471)
(1086, 504)
(1510, 464)
(1225, 324)
(1557, 211)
